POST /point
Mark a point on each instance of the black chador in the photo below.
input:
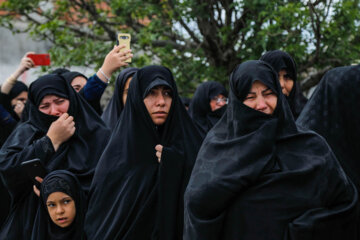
(333, 112)
(133, 196)
(78, 155)
(113, 110)
(259, 176)
(199, 109)
(280, 60)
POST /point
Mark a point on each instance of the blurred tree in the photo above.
(198, 40)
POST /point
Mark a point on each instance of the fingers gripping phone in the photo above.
(124, 38)
(40, 59)
(34, 168)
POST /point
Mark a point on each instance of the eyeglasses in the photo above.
(221, 100)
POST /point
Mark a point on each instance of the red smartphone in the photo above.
(40, 59)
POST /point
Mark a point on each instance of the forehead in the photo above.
(78, 79)
(55, 196)
(50, 98)
(257, 84)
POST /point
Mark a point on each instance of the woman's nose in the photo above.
(260, 104)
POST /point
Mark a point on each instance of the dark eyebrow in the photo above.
(267, 90)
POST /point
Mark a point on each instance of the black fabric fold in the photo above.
(260, 176)
(78, 155)
(280, 60)
(333, 112)
(132, 195)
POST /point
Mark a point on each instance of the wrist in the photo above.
(104, 75)
(18, 72)
(56, 144)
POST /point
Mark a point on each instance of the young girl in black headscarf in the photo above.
(138, 187)
(117, 102)
(259, 176)
(64, 132)
(62, 208)
(208, 105)
(285, 66)
(333, 112)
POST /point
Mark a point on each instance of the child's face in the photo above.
(61, 208)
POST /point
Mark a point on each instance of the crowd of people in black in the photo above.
(257, 161)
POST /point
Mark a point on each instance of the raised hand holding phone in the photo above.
(113, 61)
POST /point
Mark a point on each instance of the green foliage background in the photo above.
(198, 40)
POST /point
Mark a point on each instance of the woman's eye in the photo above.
(167, 93)
(67, 201)
(249, 97)
(43, 107)
(287, 77)
(58, 102)
(51, 205)
(269, 93)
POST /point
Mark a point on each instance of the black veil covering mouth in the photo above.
(200, 110)
(280, 60)
(44, 227)
(259, 176)
(132, 195)
(333, 112)
(79, 155)
(115, 106)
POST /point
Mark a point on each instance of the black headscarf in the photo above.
(133, 196)
(114, 108)
(258, 176)
(186, 101)
(333, 112)
(280, 60)
(60, 71)
(5, 99)
(18, 88)
(78, 155)
(200, 110)
(44, 227)
(69, 76)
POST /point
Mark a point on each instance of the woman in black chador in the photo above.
(259, 176)
(116, 104)
(285, 66)
(333, 112)
(208, 105)
(64, 132)
(62, 208)
(138, 187)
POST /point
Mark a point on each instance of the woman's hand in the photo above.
(114, 60)
(159, 149)
(26, 63)
(36, 190)
(19, 107)
(61, 130)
